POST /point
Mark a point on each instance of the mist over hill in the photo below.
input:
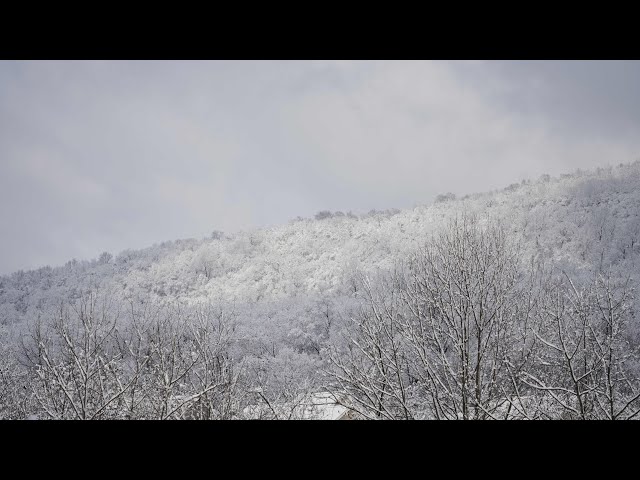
(286, 298)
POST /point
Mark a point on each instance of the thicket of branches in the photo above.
(99, 359)
(464, 330)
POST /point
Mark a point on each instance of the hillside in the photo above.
(291, 288)
(579, 220)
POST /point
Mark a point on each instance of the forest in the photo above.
(518, 303)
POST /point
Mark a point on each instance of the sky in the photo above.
(108, 155)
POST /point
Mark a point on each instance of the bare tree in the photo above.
(373, 369)
(15, 399)
(214, 384)
(186, 370)
(162, 362)
(78, 373)
(433, 343)
(583, 365)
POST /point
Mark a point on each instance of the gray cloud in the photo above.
(109, 155)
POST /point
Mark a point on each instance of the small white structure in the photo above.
(325, 406)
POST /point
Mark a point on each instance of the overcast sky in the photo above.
(103, 156)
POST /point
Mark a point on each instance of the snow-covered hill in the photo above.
(286, 292)
(578, 221)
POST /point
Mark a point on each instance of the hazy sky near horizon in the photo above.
(103, 156)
